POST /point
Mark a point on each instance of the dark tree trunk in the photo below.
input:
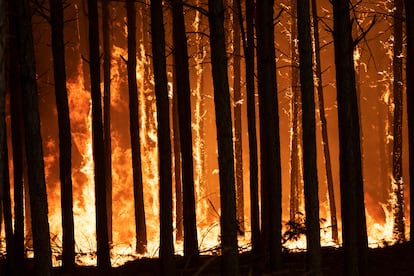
(184, 116)
(397, 184)
(271, 184)
(409, 10)
(310, 172)
(324, 124)
(106, 26)
(34, 151)
(164, 143)
(104, 261)
(65, 146)
(230, 263)
(354, 231)
(140, 226)
(237, 110)
(248, 48)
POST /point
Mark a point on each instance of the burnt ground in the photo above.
(390, 260)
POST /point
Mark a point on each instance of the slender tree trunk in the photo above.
(106, 26)
(65, 146)
(324, 124)
(397, 185)
(104, 261)
(184, 116)
(271, 184)
(3, 25)
(164, 143)
(409, 10)
(230, 264)
(248, 48)
(34, 151)
(237, 110)
(310, 172)
(354, 231)
(140, 226)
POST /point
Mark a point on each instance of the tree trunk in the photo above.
(354, 232)
(106, 26)
(65, 146)
(409, 10)
(34, 151)
(104, 261)
(140, 225)
(271, 184)
(184, 115)
(310, 172)
(164, 143)
(324, 124)
(397, 185)
(230, 265)
(237, 110)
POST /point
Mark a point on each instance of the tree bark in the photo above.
(65, 145)
(354, 232)
(164, 143)
(310, 172)
(104, 261)
(230, 264)
(271, 184)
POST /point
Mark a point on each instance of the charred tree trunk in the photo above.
(104, 261)
(65, 146)
(324, 124)
(184, 116)
(310, 172)
(397, 185)
(271, 184)
(164, 143)
(230, 264)
(354, 231)
(237, 110)
(409, 10)
(140, 226)
(106, 26)
(34, 151)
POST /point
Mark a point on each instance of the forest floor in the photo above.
(390, 260)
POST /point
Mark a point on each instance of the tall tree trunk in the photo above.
(184, 116)
(237, 110)
(397, 185)
(248, 48)
(34, 151)
(310, 172)
(104, 261)
(409, 10)
(324, 124)
(230, 264)
(65, 146)
(164, 143)
(140, 226)
(354, 231)
(271, 183)
(3, 32)
(106, 26)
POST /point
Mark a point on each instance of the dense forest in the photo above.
(172, 134)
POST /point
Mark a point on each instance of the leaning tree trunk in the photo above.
(65, 146)
(310, 172)
(104, 261)
(409, 10)
(354, 231)
(271, 182)
(164, 143)
(324, 124)
(397, 185)
(34, 151)
(228, 223)
(140, 226)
